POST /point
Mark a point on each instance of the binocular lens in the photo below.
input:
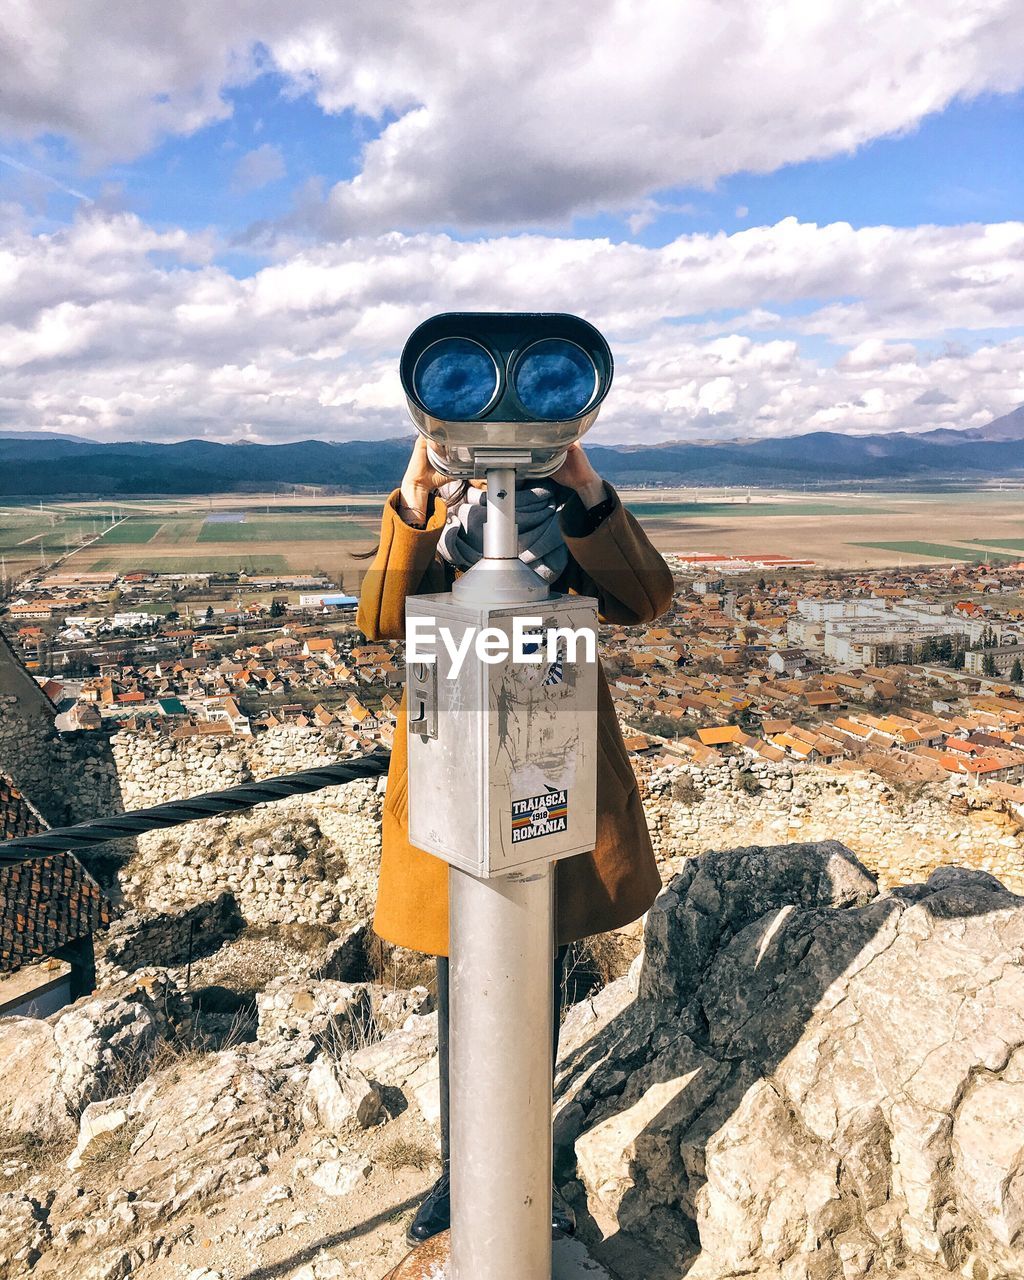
(455, 379)
(555, 380)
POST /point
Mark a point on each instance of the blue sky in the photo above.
(964, 164)
(777, 237)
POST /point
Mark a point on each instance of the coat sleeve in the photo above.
(405, 565)
(616, 563)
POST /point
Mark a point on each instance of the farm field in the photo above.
(940, 551)
(27, 530)
(234, 533)
(199, 562)
(282, 529)
(256, 533)
(737, 510)
(1014, 544)
(131, 532)
(839, 530)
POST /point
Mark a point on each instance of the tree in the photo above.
(209, 613)
(988, 665)
(1016, 672)
(276, 609)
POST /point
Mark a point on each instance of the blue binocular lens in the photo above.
(455, 379)
(555, 380)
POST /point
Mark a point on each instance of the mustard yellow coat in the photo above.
(596, 891)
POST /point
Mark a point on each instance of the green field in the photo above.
(181, 532)
(1014, 544)
(131, 532)
(198, 563)
(671, 510)
(937, 550)
(28, 533)
(282, 529)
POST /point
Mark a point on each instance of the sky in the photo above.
(223, 221)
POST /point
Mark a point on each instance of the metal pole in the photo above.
(500, 1073)
(501, 950)
(501, 537)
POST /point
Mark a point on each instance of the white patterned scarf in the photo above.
(541, 545)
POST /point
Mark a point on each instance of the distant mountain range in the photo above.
(48, 465)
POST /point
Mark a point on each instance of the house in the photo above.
(721, 735)
(50, 907)
(823, 700)
(227, 711)
(791, 662)
(284, 647)
(82, 716)
(201, 729)
(697, 751)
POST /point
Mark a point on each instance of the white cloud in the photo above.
(114, 329)
(561, 109)
(258, 168)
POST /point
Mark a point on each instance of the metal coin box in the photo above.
(503, 758)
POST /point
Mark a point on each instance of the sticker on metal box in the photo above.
(540, 816)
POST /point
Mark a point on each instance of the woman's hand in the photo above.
(577, 473)
(418, 483)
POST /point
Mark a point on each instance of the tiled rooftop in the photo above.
(44, 903)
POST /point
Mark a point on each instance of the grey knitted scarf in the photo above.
(541, 545)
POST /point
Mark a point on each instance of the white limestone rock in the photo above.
(53, 1068)
(815, 1081)
(98, 1119)
(341, 1176)
(338, 1096)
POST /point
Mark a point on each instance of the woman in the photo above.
(575, 533)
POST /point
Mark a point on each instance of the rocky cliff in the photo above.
(801, 1078)
(806, 1078)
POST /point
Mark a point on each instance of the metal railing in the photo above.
(86, 835)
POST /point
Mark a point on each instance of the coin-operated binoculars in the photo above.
(502, 757)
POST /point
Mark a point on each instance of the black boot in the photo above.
(435, 1213)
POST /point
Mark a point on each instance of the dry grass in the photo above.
(248, 962)
(346, 1035)
(302, 937)
(685, 790)
(187, 1046)
(110, 1150)
(406, 1153)
(595, 962)
(398, 969)
(24, 1156)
